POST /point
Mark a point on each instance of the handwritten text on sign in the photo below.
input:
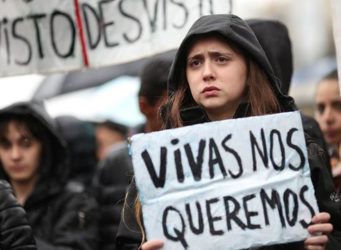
(226, 185)
(55, 35)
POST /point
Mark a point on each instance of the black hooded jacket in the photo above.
(81, 144)
(237, 31)
(15, 231)
(60, 218)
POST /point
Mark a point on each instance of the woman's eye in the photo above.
(222, 59)
(194, 63)
(337, 106)
(26, 142)
(4, 143)
(320, 108)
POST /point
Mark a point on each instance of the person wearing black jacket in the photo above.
(223, 52)
(15, 231)
(33, 160)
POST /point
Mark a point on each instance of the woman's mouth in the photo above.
(210, 91)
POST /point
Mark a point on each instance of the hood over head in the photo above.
(81, 144)
(274, 38)
(53, 168)
(235, 30)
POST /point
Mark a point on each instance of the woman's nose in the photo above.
(208, 72)
(328, 115)
(15, 153)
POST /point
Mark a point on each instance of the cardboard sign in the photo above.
(230, 184)
(63, 35)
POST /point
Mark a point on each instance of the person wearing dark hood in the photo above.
(33, 160)
(81, 144)
(222, 72)
(15, 231)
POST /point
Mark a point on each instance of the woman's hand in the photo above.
(152, 245)
(319, 231)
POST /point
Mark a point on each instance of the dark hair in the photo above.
(38, 131)
(333, 75)
(154, 79)
(115, 126)
(258, 88)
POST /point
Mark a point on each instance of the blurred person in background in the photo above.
(81, 145)
(328, 115)
(33, 159)
(16, 233)
(108, 133)
(115, 171)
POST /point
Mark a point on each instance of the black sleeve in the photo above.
(15, 231)
(110, 185)
(75, 225)
(327, 198)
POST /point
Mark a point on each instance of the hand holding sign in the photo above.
(239, 183)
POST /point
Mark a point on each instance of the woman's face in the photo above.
(328, 110)
(20, 154)
(216, 75)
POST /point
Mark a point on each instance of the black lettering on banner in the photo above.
(58, 14)
(178, 162)
(158, 181)
(196, 166)
(201, 4)
(200, 228)
(186, 14)
(263, 153)
(306, 203)
(105, 24)
(215, 158)
(152, 19)
(235, 154)
(273, 202)
(133, 18)
(7, 42)
(298, 150)
(281, 147)
(211, 218)
(286, 196)
(232, 215)
(249, 214)
(36, 18)
(179, 234)
(93, 35)
(23, 39)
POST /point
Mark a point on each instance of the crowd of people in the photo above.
(69, 184)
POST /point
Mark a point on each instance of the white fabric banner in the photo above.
(225, 185)
(62, 35)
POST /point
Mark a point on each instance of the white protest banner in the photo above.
(63, 35)
(38, 36)
(134, 29)
(225, 185)
(336, 10)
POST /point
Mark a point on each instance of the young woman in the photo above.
(33, 160)
(328, 115)
(221, 72)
